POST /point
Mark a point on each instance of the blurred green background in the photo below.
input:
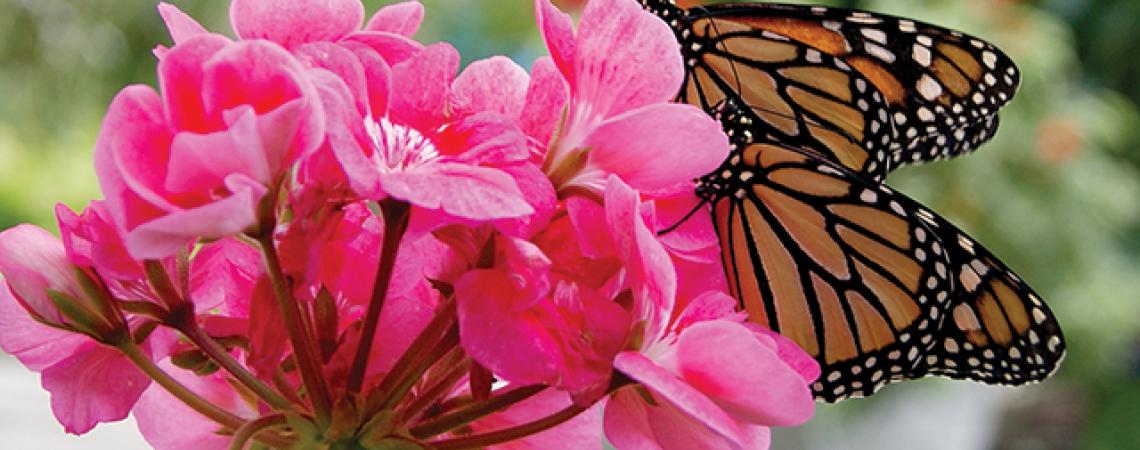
(1056, 194)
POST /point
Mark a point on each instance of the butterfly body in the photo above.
(819, 105)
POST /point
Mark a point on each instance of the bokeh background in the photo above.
(1056, 195)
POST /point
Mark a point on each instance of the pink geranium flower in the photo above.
(713, 380)
(196, 162)
(623, 67)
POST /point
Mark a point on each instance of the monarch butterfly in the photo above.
(819, 106)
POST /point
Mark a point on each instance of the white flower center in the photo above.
(398, 147)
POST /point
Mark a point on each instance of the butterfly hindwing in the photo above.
(872, 284)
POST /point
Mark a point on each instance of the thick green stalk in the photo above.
(195, 402)
(304, 346)
(474, 412)
(251, 429)
(396, 215)
(509, 434)
(223, 358)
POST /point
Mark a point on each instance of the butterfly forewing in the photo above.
(943, 88)
(799, 95)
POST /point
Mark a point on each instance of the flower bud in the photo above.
(53, 291)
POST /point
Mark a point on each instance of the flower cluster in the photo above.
(322, 235)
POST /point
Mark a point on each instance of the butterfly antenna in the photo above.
(684, 219)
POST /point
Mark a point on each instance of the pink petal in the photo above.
(36, 345)
(403, 317)
(168, 424)
(590, 228)
(546, 99)
(743, 376)
(201, 162)
(581, 432)
(346, 136)
(93, 240)
(679, 394)
(671, 143)
(33, 262)
(710, 305)
(223, 273)
(169, 234)
(626, 422)
(267, 78)
(181, 76)
(342, 61)
(514, 343)
(96, 384)
(394, 48)
(626, 58)
(789, 352)
(399, 18)
(295, 22)
(558, 31)
(651, 273)
(484, 138)
(460, 190)
(496, 85)
(538, 192)
(181, 26)
(424, 82)
(377, 74)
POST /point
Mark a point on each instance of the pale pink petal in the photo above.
(558, 31)
(377, 74)
(789, 352)
(180, 25)
(627, 422)
(546, 99)
(678, 393)
(634, 147)
(96, 384)
(677, 430)
(295, 22)
(201, 162)
(708, 306)
(342, 61)
(581, 432)
(513, 343)
(399, 18)
(346, 136)
(495, 84)
(460, 190)
(394, 48)
(626, 58)
(746, 378)
(651, 272)
(36, 345)
(168, 424)
(169, 234)
(423, 81)
(33, 262)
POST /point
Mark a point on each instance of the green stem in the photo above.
(251, 429)
(195, 402)
(441, 388)
(396, 214)
(161, 284)
(474, 412)
(408, 380)
(509, 434)
(299, 335)
(439, 325)
(219, 354)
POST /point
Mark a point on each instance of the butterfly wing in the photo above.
(943, 87)
(875, 286)
(799, 95)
